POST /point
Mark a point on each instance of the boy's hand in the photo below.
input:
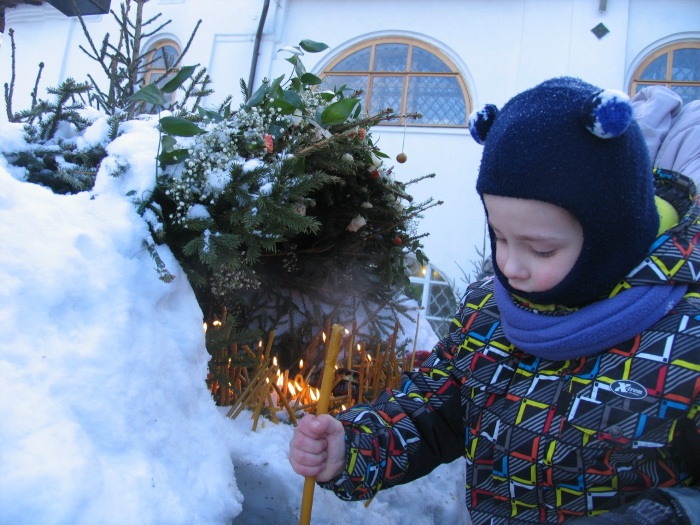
(318, 447)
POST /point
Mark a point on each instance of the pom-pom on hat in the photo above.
(577, 146)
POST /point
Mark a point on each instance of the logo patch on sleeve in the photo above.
(628, 389)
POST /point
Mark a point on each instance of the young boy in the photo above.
(570, 381)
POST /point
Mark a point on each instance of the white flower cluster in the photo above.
(226, 280)
(290, 263)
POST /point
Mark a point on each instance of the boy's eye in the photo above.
(544, 255)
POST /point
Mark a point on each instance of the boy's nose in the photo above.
(513, 268)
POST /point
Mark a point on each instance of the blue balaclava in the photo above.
(576, 146)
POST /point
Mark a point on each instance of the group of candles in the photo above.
(266, 390)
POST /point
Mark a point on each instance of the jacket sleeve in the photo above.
(671, 130)
(671, 506)
(404, 434)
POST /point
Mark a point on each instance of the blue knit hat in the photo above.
(576, 146)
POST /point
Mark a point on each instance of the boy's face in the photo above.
(537, 243)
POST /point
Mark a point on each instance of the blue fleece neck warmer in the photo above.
(589, 330)
(576, 146)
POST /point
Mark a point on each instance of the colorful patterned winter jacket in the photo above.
(549, 441)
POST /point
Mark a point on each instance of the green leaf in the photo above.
(277, 130)
(180, 127)
(150, 94)
(310, 79)
(210, 115)
(276, 83)
(283, 107)
(311, 46)
(175, 82)
(358, 109)
(168, 142)
(257, 97)
(174, 156)
(338, 112)
(293, 98)
(275, 92)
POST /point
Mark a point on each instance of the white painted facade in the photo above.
(500, 46)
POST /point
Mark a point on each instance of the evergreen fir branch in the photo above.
(229, 242)
(184, 49)
(78, 180)
(194, 93)
(113, 122)
(220, 339)
(244, 90)
(9, 89)
(206, 251)
(35, 89)
(163, 273)
(155, 30)
(419, 179)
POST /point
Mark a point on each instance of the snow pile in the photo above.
(106, 417)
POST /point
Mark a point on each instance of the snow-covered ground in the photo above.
(105, 415)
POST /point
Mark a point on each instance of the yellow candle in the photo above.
(322, 408)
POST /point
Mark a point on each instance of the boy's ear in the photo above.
(607, 113)
(480, 122)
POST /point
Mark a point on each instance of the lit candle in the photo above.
(351, 344)
(415, 341)
(361, 350)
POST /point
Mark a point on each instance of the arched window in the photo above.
(161, 63)
(405, 75)
(675, 66)
(434, 293)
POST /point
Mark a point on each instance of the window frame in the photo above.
(429, 277)
(412, 43)
(636, 84)
(154, 74)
